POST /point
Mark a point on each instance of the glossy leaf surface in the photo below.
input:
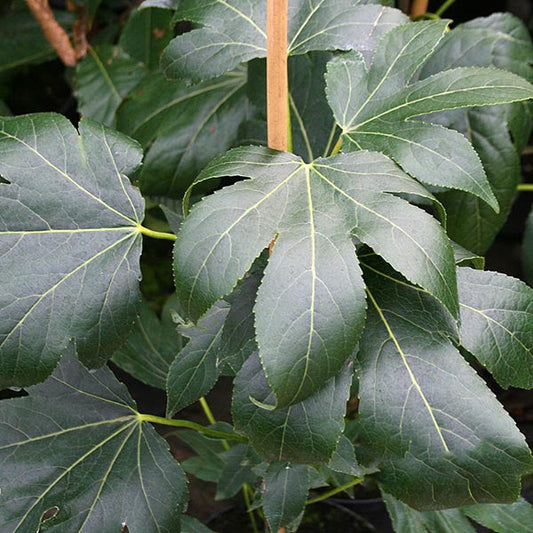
(310, 306)
(70, 269)
(427, 421)
(497, 324)
(374, 107)
(96, 460)
(233, 33)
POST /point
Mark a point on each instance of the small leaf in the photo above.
(190, 524)
(103, 79)
(182, 127)
(96, 460)
(146, 34)
(306, 432)
(343, 460)
(151, 346)
(503, 518)
(310, 305)
(70, 269)
(194, 370)
(407, 520)
(427, 421)
(237, 470)
(285, 490)
(497, 324)
(230, 34)
(376, 111)
(208, 465)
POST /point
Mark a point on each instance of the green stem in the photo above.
(525, 187)
(156, 234)
(248, 502)
(444, 7)
(336, 490)
(337, 147)
(191, 425)
(212, 420)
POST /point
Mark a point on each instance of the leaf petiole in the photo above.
(156, 234)
(525, 187)
(336, 490)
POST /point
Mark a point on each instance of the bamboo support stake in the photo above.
(418, 7)
(53, 32)
(277, 78)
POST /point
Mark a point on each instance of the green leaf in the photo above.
(343, 460)
(146, 34)
(306, 432)
(408, 520)
(235, 33)
(4, 110)
(237, 470)
(102, 81)
(527, 249)
(194, 371)
(497, 324)
(500, 41)
(374, 107)
(503, 518)
(22, 40)
(208, 465)
(190, 524)
(464, 257)
(78, 443)
(151, 346)
(182, 127)
(284, 493)
(70, 269)
(427, 421)
(310, 306)
(164, 4)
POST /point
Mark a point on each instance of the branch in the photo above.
(419, 7)
(54, 33)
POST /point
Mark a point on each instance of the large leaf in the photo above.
(182, 127)
(151, 346)
(310, 307)
(103, 79)
(146, 34)
(69, 243)
(503, 518)
(78, 444)
(232, 33)
(407, 520)
(427, 421)
(374, 107)
(285, 490)
(527, 249)
(194, 370)
(499, 41)
(307, 432)
(497, 324)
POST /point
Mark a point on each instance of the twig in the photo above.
(54, 33)
(418, 7)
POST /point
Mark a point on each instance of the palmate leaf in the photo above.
(235, 32)
(102, 81)
(374, 107)
(69, 243)
(497, 324)
(501, 41)
(307, 432)
(427, 421)
(182, 127)
(77, 443)
(310, 307)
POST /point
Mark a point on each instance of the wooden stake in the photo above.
(277, 79)
(53, 32)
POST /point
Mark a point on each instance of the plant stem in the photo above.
(156, 234)
(525, 187)
(337, 146)
(418, 7)
(444, 7)
(277, 79)
(248, 502)
(209, 415)
(334, 491)
(191, 425)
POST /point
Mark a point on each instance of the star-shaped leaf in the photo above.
(70, 239)
(310, 307)
(376, 107)
(235, 32)
(78, 444)
(428, 422)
